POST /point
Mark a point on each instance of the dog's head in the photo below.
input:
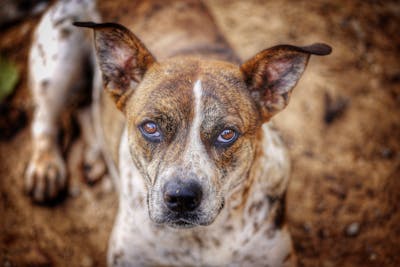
(193, 123)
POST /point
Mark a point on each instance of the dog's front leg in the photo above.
(56, 67)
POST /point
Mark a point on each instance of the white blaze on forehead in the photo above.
(197, 92)
(196, 154)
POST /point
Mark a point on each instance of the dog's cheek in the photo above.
(142, 152)
(233, 159)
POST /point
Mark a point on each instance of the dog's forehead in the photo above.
(168, 87)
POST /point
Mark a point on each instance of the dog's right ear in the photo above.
(122, 57)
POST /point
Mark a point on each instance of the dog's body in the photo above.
(200, 173)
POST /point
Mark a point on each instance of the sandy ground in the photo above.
(342, 128)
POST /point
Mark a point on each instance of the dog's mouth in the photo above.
(181, 221)
(182, 224)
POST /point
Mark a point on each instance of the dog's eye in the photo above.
(226, 137)
(150, 131)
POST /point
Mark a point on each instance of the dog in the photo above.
(183, 126)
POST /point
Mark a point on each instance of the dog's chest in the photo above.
(231, 243)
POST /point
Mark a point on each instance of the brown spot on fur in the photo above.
(255, 207)
(59, 22)
(44, 84)
(198, 240)
(278, 206)
(216, 242)
(228, 228)
(116, 257)
(256, 227)
(245, 193)
(287, 258)
(42, 54)
(248, 259)
(270, 233)
(65, 33)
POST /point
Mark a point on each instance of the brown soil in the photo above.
(342, 128)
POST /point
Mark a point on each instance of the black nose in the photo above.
(182, 195)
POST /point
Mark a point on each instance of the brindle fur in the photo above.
(185, 77)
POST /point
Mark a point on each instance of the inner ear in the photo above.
(272, 74)
(122, 57)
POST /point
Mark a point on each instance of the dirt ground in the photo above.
(342, 128)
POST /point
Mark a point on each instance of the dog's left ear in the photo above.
(272, 74)
(122, 57)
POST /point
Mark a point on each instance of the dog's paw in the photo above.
(45, 177)
(93, 164)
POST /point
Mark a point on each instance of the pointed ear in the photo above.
(122, 57)
(272, 74)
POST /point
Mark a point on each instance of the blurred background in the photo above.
(342, 129)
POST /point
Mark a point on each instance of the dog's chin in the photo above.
(181, 223)
(185, 220)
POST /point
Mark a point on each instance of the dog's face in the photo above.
(192, 123)
(191, 127)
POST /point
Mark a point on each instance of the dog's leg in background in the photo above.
(56, 68)
(93, 163)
